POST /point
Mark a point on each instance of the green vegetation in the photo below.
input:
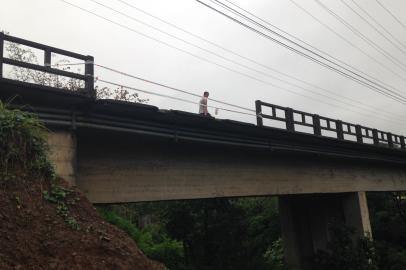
(153, 240)
(23, 148)
(389, 229)
(345, 253)
(60, 196)
(245, 234)
(205, 234)
(24, 157)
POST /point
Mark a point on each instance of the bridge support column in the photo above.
(63, 151)
(305, 222)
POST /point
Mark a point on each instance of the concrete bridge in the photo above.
(118, 152)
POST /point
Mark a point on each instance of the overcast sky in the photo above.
(55, 23)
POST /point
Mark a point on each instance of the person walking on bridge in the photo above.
(203, 104)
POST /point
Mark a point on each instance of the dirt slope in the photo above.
(36, 233)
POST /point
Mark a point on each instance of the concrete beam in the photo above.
(115, 168)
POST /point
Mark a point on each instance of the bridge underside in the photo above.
(115, 167)
(313, 190)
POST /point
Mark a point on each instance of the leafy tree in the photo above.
(22, 54)
(224, 233)
(153, 240)
(343, 253)
(389, 228)
(274, 256)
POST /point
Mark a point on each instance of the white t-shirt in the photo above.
(203, 105)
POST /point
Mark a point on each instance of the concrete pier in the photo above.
(305, 221)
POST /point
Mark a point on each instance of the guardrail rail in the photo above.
(88, 78)
(293, 118)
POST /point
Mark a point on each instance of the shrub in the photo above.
(23, 147)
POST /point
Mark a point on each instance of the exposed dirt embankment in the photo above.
(34, 234)
(43, 223)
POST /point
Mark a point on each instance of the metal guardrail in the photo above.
(88, 78)
(318, 123)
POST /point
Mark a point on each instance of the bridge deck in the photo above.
(66, 109)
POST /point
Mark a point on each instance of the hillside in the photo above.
(44, 224)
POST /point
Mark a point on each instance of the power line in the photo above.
(209, 61)
(373, 26)
(391, 13)
(225, 58)
(178, 90)
(279, 35)
(170, 87)
(250, 59)
(350, 43)
(396, 96)
(378, 23)
(196, 56)
(363, 37)
(196, 95)
(174, 98)
(291, 48)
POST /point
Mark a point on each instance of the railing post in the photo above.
(402, 142)
(258, 109)
(316, 125)
(390, 139)
(1, 53)
(47, 58)
(375, 136)
(358, 132)
(89, 72)
(339, 130)
(289, 118)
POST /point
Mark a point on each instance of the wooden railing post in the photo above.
(390, 139)
(375, 136)
(316, 125)
(258, 112)
(1, 53)
(89, 72)
(289, 118)
(402, 142)
(339, 130)
(358, 132)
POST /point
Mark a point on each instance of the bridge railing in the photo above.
(319, 125)
(47, 67)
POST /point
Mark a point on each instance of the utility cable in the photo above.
(378, 23)
(279, 35)
(174, 98)
(392, 14)
(256, 62)
(181, 91)
(196, 95)
(363, 37)
(186, 52)
(350, 43)
(373, 26)
(222, 57)
(181, 99)
(395, 96)
(170, 87)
